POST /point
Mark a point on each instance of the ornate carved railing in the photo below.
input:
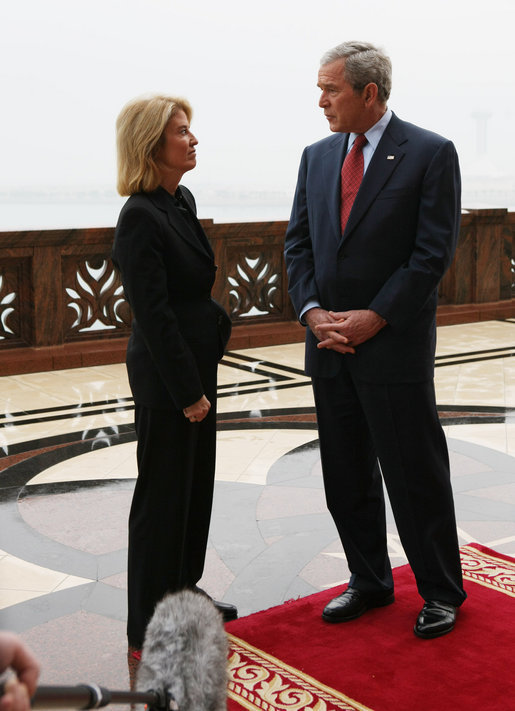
(58, 286)
(62, 303)
(251, 281)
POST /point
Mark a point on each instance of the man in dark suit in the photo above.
(373, 229)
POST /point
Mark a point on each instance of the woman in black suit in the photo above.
(178, 337)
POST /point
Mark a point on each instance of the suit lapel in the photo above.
(387, 157)
(189, 203)
(179, 223)
(332, 161)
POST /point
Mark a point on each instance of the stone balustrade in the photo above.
(62, 302)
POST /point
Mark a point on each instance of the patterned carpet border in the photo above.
(258, 681)
(483, 568)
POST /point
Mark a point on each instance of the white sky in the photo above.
(248, 68)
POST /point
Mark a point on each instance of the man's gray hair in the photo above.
(364, 63)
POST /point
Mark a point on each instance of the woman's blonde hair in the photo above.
(139, 134)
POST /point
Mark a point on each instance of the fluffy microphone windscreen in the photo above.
(185, 653)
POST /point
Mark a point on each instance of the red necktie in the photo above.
(352, 174)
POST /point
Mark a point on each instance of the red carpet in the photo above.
(288, 659)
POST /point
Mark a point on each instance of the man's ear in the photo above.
(370, 93)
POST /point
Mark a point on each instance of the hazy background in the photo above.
(250, 70)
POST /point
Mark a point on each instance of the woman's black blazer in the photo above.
(167, 269)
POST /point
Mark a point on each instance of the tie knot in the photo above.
(359, 141)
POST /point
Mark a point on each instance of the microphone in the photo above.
(183, 663)
(184, 653)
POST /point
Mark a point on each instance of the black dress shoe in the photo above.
(352, 603)
(228, 611)
(436, 618)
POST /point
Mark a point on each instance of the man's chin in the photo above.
(333, 125)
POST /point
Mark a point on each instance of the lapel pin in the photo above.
(390, 157)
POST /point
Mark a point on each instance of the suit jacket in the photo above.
(167, 268)
(398, 242)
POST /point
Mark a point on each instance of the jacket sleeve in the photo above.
(298, 247)
(139, 255)
(412, 284)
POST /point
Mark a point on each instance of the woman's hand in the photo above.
(197, 411)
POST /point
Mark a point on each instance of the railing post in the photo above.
(491, 263)
(481, 269)
(47, 296)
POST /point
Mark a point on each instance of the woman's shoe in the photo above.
(133, 660)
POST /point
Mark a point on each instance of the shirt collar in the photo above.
(374, 134)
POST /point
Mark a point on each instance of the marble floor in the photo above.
(67, 470)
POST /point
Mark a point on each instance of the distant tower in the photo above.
(481, 130)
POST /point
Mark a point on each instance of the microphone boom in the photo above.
(92, 696)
